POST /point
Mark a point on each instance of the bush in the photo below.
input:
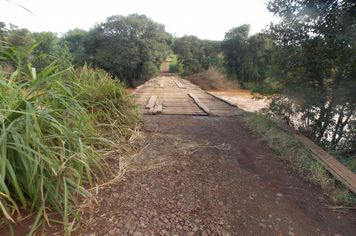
(212, 79)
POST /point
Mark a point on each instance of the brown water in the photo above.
(242, 98)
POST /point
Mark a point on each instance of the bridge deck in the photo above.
(170, 95)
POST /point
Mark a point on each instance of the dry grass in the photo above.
(212, 79)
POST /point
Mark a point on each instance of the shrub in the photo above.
(212, 79)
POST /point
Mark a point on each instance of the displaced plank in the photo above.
(338, 170)
(161, 83)
(179, 85)
(151, 103)
(201, 105)
(158, 107)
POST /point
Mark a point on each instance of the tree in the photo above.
(245, 56)
(317, 64)
(74, 39)
(190, 53)
(235, 49)
(131, 48)
(52, 49)
(259, 49)
(2, 30)
(21, 38)
(196, 55)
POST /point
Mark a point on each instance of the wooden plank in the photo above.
(151, 103)
(161, 83)
(180, 112)
(158, 107)
(338, 170)
(179, 85)
(201, 105)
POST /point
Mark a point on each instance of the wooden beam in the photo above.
(179, 85)
(338, 170)
(201, 105)
(151, 103)
(158, 107)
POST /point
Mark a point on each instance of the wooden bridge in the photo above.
(170, 95)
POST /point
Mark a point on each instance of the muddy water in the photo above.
(242, 98)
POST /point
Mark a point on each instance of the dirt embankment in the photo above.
(209, 176)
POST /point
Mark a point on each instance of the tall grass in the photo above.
(50, 126)
(102, 96)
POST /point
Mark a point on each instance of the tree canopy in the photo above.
(196, 54)
(316, 59)
(131, 48)
(246, 57)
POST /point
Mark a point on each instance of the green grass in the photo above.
(300, 158)
(52, 126)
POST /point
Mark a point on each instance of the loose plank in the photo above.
(338, 170)
(158, 107)
(179, 85)
(151, 103)
(201, 105)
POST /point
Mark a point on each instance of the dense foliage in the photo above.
(131, 48)
(48, 48)
(196, 55)
(241, 57)
(246, 57)
(75, 40)
(316, 63)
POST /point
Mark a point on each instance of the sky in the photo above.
(204, 19)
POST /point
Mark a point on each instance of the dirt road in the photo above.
(209, 176)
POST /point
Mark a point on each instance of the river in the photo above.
(242, 98)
